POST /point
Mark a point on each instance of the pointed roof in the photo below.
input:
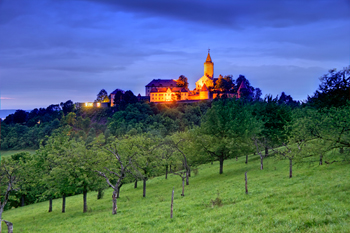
(208, 58)
(204, 88)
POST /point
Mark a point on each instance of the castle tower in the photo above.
(209, 66)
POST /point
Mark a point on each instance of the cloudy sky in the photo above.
(52, 51)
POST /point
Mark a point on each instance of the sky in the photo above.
(52, 51)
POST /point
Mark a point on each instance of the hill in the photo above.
(314, 200)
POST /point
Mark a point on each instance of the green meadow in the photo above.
(12, 152)
(316, 199)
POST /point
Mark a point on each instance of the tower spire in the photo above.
(208, 57)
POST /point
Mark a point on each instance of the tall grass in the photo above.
(316, 199)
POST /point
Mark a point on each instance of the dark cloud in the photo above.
(273, 13)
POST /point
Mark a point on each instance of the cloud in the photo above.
(5, 98)
(236, 14)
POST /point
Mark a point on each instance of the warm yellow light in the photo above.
(98, 104)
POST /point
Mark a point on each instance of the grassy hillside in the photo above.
(12, 152)
(316, 199)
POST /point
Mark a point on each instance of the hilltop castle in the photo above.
(164, 90)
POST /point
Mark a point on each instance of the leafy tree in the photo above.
(122, 153)
(224, 84)
(334, 90)
(226, 130)
(129, 98)
(102, 96)
(182, 82)
(145, 160)
(67, 107)
(8, 183)
(274, 117)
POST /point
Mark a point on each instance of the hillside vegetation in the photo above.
(314, 200)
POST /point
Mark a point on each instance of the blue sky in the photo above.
(55, 50)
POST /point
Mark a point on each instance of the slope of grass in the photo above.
(4, 153)
(316, 199)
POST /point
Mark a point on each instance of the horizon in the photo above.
(70, 50)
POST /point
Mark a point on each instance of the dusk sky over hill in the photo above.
(52, 51)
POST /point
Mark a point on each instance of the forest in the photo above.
(79, 150)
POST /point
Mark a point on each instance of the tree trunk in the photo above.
(100, 194)
(114, 198)
(166, 171)
(189, 172)
(171, 206)
(212, 162)
(321, 158)
(144, 187)
(183, 187)
(85, 208)
(135, 185)
(290, 168)
(22, 200)
(9, 226)
(261, 163)
(63, 203)
(187, 177)
(246, 159)
(246, 183)
(170, 168)
(341, 150)
(50, 204)
(236, 158)
(221, 160)
(266, 151)
(118, 192)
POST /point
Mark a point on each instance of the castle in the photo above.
(164, 90)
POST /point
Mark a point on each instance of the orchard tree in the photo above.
(146, 161)
(114, 165)
(8, 183)
(227, 129)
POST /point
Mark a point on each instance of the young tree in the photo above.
(8, 182)
(121, 152)
(226, 130)
(146, 161)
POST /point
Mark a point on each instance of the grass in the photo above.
(316, 199)
(4, 153)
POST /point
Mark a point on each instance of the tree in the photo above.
(334, 90)
(274, 117)
(182, 82)
(121, 152)
(145, 161)
(224, 84)
(226, 130)
(8, 183)
(102, 96)
(67, 107)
